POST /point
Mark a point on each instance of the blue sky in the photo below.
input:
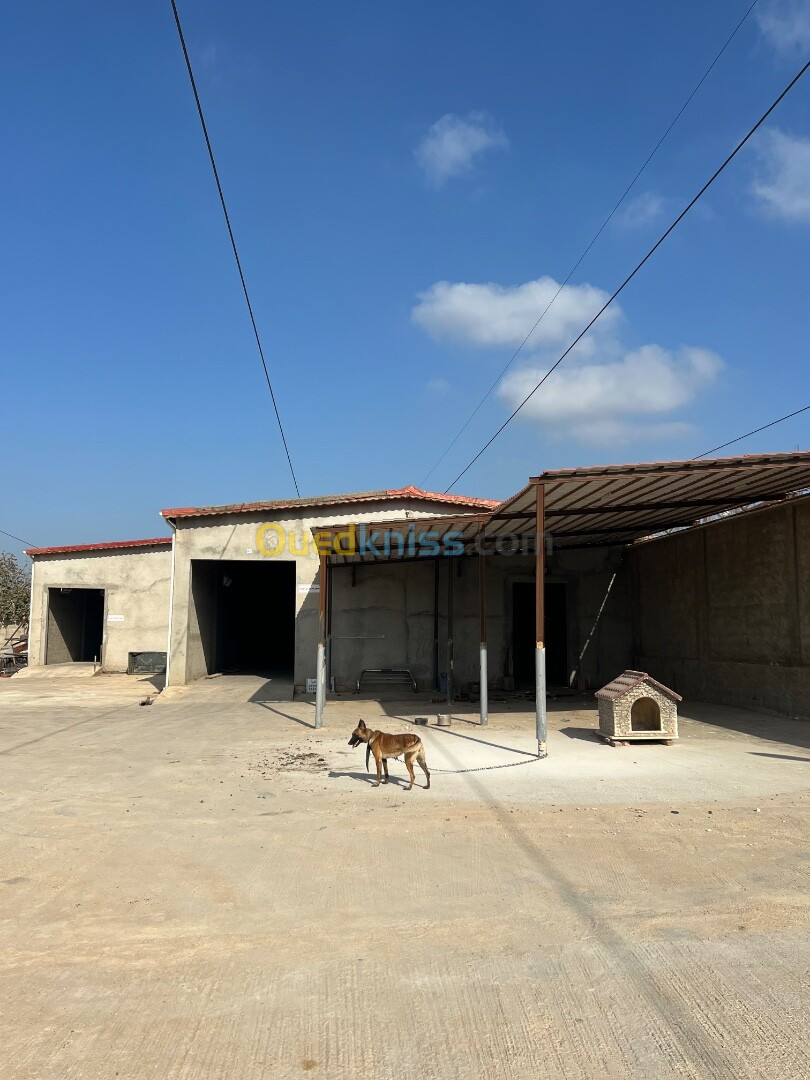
(407, 183)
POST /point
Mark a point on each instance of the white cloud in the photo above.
(620, 401)
(604, 392)
(784, 186)
(453, 143)
(497, 315)
(438, 386)
(785, 23)
(642, 210)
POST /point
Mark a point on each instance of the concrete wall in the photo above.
(136, 584)
(7, 632)
(383, 617)
(382, 613)
(236, 537)
(722, 613)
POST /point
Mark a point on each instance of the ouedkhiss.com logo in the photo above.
(273, 541)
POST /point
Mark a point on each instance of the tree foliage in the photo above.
(15, 591)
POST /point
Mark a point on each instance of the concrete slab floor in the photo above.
(197, 890)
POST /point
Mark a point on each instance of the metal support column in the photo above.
(436, 569)
(482, 612)
(451, 570)
(540, 622)
(329, 588)
(320, 674)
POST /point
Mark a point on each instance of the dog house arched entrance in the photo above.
(645, 715)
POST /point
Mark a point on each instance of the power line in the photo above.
(596, 236)
(633, 273)
(20, 540)
(233, 241)
(748, 434)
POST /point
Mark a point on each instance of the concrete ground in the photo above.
(207, 887)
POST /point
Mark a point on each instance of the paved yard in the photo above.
(207, 888)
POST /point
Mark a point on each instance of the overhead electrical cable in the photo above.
(748, 434)
(20, 540)
(633, 273)
(596, 236)
(233, 241)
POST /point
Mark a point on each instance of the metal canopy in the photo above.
(596, 506)
(401, 539)
(617, 504)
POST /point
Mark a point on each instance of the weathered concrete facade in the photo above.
(239, 538)
(134, 607)
(384, 617)
(722, 612)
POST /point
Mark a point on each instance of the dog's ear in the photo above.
(362, 725)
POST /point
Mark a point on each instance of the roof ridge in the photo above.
(377, 495)
(629, 680)
(110, 545)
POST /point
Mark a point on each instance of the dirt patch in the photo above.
(298, 761)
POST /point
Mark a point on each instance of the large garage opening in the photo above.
(75, 626)
(523, 635)
(242, 617)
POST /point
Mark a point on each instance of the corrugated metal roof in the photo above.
(401, 538)
(383, 495)
(111, 546)
(628, 681)
(617, 504)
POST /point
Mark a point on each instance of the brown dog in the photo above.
(384, 746)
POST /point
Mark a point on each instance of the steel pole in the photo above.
(482, 612)
(451, 568)
(320, 674)
(540, 623)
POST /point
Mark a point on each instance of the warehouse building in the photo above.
(233, 588)
(697, 571)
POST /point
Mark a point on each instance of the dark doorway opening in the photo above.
(75, 626)
(523, 634)
(246, 615)
(645, 715)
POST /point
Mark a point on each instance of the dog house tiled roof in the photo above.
(629, 680)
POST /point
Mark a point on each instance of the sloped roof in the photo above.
(618, 504)
(157, 541)
(383, 495)
(628, 681)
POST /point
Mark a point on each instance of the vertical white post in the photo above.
(320, 672)
(167, 676)
(482, 615)
(540, 700)
(483, 678)
(320, 685)
(40, 643)
(540, 622)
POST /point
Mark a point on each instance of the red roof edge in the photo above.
(435, 496)
(113, 545)
(409, 492)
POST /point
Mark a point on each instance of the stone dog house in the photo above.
(636, 707)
